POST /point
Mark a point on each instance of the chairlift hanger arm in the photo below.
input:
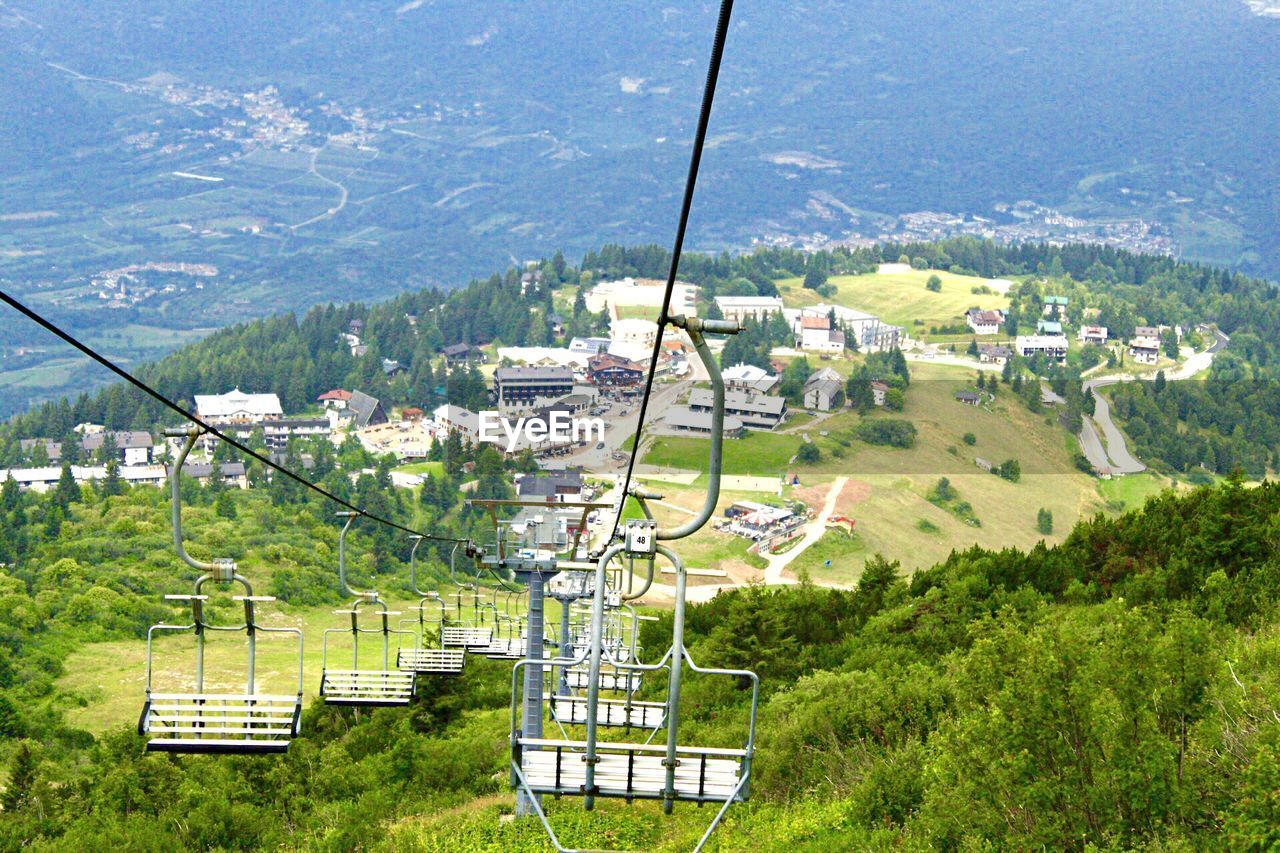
(222, 570)
(695, 327)
(370, 595)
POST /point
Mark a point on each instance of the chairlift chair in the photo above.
(420, 658)
(203, 722)
(356, 686)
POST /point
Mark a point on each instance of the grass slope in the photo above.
(900, 298)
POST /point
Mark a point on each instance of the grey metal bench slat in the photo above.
(367, 687)
(214, 746)
(630, 770)
(437, 661)
(184, 722)
(466, 637)
(626, 681)
(572, 710)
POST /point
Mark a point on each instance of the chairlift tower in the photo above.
(531, 558)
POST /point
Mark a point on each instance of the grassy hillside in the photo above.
(1119, 688)
(900, 297)
(886, 488)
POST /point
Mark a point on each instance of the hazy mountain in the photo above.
(390, 143)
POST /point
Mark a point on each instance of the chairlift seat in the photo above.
(367, 687)
(506, 649)
(219, 723)
(579, 678)
(432, 661)
(572, 710)
(631, 771)
(472, 639)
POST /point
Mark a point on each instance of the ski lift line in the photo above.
(93, 354)
(686, 205)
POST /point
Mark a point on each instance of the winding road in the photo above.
(1102, 441)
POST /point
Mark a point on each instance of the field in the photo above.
(900, 298)
(887, 487)
(422, 468)
(105, 683)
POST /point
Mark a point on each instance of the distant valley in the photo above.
(363, 149)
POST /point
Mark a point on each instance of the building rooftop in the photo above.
(765, 404)
(237, 402)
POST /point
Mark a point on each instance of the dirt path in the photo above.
(812, 533)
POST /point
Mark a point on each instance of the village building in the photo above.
(589, 346)
(450, 419)
(610, 371)
(563, 485)
(744, 308)
(816, 335)
(824, 390)
(335, 399)
(1050, 346)
(642, 293)
(1093, 335)
(524, 388)
(683, 419)
(749, 378)
(1055, 306)
(237, 407)
(1144, 349)
(756, 411)
(984, 322)
(1048, 327)
(367, 411)
(994, 353)
(455, 354)
(969, 398)
(878, 392)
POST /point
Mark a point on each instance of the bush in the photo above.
(1044, 521)
(894, 433)
(1009, 469)
(969, 439)
(808, 453)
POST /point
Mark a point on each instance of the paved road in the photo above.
(1119, 459)
(1116, 458)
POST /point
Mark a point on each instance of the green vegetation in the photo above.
(944, 495)
(904, 714)
(1044, 521)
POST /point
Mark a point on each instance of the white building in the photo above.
(544, 357)
(450, 419)
(635, 331)
(984, 322)
(743, 308)
(816, 335)
(1051, 346)
(645, 293)
(1093, 335)
(756, 411)
(824, 390)
(748, 377)
(1145, 350)
(869, 332)
(237, 407)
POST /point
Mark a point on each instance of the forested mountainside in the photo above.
(300, 358)
(1118, 691)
